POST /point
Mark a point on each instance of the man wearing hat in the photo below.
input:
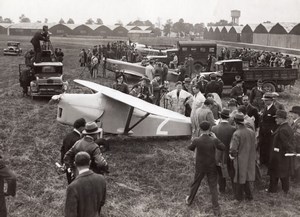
(146, 91)
(156, 88)
(243, 152)
(70, 139)
(277, 104)
(267, 126)
(87, 193)
(205, 146)
(224, 132)
(237, 91)
(295, 113)
(35, 41)
(282, 146)
(251, 110)
(256, 95)
(87, 144)
(120, 84)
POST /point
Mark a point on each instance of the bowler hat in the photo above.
(296, 109)
(268, 96)
(225, 113)
(239, 118)
(91, 128)
(281, 114)
(204, 125)
(178, 82)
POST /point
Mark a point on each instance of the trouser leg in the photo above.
(195, 185)
(285, 182)
(273, 184)
(212, 184)
(3, 211)
(248, 190)
(239, 191)
(221, 180)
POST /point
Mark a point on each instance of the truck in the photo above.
(46, 77)
(274, 78)
(199, 50)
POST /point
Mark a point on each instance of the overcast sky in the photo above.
(193, 11)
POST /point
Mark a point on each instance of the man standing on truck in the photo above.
(35, 41)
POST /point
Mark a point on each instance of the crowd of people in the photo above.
(258, 58)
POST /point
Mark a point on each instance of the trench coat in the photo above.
(279, 165)
(243, 149)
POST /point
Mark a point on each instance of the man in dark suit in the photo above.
(295, 124)
(267, 126)
(224, 132)
(214, 86)
(87, 193)
(70, 140)
(282, 146)
(206, 145)
(8, 176)
(35, 41)
(251, 110)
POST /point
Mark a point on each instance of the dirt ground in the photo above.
(147, 177)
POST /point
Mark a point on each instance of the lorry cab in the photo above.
(231, 68)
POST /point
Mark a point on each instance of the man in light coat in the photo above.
(243, 152)
(150, 71)
(203, 113)
(178, 98)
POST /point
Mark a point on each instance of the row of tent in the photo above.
(285, 35)
(75, 29)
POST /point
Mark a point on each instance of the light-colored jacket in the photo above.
(178, 103)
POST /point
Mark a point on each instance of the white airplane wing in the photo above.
(133, 101)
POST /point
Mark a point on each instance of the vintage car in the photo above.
(48, 79)
(13, 48)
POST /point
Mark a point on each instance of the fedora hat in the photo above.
(225, 113)
(91, 128)
(239, 118)
(268, 96)
(295, 109)
(281, 114)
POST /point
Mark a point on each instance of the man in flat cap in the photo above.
(282, 146)
(205, 146)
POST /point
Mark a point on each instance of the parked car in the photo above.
(13, 48)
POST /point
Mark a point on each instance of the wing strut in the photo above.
(127, 126)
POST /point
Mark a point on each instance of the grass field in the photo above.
(147, 177)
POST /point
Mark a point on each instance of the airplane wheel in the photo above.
(269, 87)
